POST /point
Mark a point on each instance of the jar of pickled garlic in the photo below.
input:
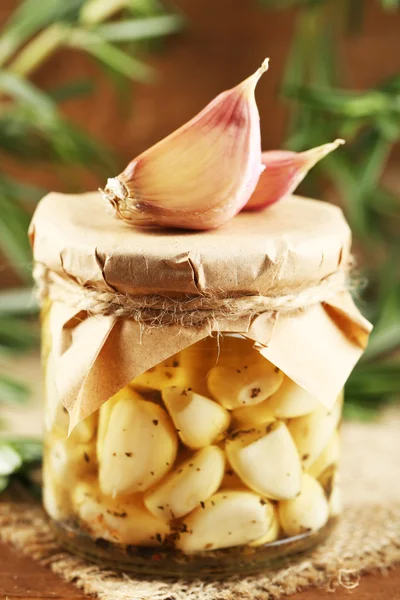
(193, 384)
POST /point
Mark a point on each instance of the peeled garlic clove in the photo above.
(56, 498)
(68, 461)
(228, 518)
(197, 361)
(191, 483)
(307, 512)
(85, 430)
(235, 350)
(138, 448)
(291, 401)
(201, 175)
(126, 522)
(105, 412)
(312, 432)
(328, 457)
(249, 416)
(233, 387)
(273, 532)
(163, 375)
(198, 420)
(267, 460)
(56, 416)
(284, 171)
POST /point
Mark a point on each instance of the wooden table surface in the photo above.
(23, 578)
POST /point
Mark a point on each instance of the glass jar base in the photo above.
(166, 562)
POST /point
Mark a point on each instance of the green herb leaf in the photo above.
(19, 301)
(29, 18)
(29, 450)
(11, 391)
(138, 29)
(16, 335)
(24, 91)
(10, 460)
(111, 56)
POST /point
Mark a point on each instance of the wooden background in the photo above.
(223, 42)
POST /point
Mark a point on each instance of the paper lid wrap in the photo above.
(285, 249)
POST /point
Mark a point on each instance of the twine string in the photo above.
(187, 311)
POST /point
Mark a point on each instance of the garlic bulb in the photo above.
(228, 518)
(191, 483)
(266, 459)
(198, 420)
(284, 171)
(309, 511)
(137, 448)
(202, 174)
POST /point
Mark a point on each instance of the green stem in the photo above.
(97, 11)
(39, 49)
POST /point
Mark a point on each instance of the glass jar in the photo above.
(213, 461)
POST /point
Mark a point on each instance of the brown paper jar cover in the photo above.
(291, 245)
(284, 249)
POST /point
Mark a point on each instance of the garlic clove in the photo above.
(237, 387)
(123, 522)
(291, 400)
(312, 432)
(309, 511)
(235, 350)
(68, 461)
(138, 447)
(189, 484)
(85, 430)
(165, 374)
(284, 171)
(105, 412)
(228, 518)
(198, 420)
(56, 495)
(56, 416)
(256, 415)
(266, 460)
(274, 530)
(197, 361)
(202, 174)
(329, 456)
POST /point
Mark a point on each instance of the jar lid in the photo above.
(286, 247)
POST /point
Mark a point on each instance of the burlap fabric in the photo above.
(367, 538)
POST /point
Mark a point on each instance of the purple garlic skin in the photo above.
(284, 171)
(202, 174)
